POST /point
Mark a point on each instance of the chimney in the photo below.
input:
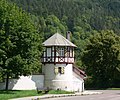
(68, 33)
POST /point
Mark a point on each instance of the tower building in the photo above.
(58, 65)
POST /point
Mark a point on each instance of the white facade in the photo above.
(25, 83)
(68, 81)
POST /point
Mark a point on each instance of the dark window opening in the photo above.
(61, 70)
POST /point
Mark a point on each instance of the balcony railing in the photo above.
(57, 59)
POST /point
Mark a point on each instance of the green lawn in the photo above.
(113, 89)
(5, 95)
(59, 92)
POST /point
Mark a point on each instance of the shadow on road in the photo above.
(118, 93)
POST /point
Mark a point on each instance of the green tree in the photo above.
(102, 58)
(20, 43)
(80, 38)
(53, 25)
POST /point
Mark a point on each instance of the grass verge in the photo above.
(113, 89)
(5, 95)
(59, 92)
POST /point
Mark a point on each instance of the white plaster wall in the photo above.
(25, 83)
(64, 81)
(2, 85)
(78, 83)
(48, 70)
(67, 81)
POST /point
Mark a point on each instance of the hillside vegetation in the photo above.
(83, 18)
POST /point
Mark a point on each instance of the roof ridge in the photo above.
(58, 40)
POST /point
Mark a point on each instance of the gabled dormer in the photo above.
(58, 50)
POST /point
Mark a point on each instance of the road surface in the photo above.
(107, 95)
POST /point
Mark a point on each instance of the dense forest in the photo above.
(83, 18)
(87, 14)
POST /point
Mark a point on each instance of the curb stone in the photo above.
(57, 95)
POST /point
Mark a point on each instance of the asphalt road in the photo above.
(107, 95)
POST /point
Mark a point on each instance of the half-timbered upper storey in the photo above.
(58, 49)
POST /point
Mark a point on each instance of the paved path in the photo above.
(87, 95)
(107, 95)
(57, 95)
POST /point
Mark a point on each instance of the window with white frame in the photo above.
(61, 51)
(48, 51)
(71, 52)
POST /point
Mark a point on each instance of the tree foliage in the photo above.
(20, 43)
(102, 58)
(94, 14)
(81, 17)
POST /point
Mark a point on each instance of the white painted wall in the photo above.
(51, 77)
(68, 81)
(25, 83)
(78, 83)
(2, 85)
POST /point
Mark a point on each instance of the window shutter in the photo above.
(56, 70)
(62, 70)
